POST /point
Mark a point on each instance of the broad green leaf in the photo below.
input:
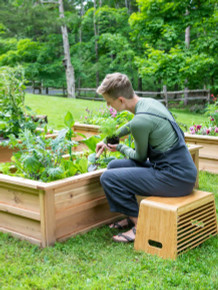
(91, 142)
(69, 120)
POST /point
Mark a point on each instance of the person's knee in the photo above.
(106, 178)
(112, 164)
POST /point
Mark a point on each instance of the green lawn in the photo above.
(93, 260)
(56, 107)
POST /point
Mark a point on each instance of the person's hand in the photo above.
(100, 147)
(112, 147)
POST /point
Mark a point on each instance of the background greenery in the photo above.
(143, 38)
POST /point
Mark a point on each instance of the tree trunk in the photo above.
(80, 39)
(96, 44)
(187, 42)
(70, 78)
(139, 84)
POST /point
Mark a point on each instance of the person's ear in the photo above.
(122, 99)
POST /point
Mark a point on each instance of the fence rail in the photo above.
(163, 96)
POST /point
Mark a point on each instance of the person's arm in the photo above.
(124, 130)
(140, 130)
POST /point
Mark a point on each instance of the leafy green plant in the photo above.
(91, 142)
(212, 111)
(209, 127)
(96, 117)
(42, 158)
(108, 129)
(13, 118)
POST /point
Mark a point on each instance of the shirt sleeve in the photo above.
(140, 130)
(124, 130)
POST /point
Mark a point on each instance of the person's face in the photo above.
(117, 104)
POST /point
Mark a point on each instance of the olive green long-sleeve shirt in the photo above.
(147, 129)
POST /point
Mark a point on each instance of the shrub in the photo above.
(12, 110)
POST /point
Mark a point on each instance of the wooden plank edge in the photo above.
(87, 229)
(21, 236)
(10, 209)
(50, 185)
(195, 138)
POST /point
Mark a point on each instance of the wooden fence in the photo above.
(163, 96)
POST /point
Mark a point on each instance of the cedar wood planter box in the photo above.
(44, 213)
(208, 156)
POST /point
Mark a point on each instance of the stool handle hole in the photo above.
(155, 244)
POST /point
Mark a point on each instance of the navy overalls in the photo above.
(170, 174)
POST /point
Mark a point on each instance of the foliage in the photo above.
(12, 111)
(212, 111)
(165, 55)
(42, 158)
(108, 128)
(97, 116)
(144, 39)
(210, 127)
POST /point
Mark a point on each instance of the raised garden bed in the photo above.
(208, 156)
(87, 130)
(44, 213)
(6, 152)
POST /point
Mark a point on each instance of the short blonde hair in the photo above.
(116, 85)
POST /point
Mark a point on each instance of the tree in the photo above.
(159, 27)
(67, 61)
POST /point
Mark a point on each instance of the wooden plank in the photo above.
(86, 127)
(47, 215)
(20, 181)
(81, 207)
(20, 211)
(207, 233)
(208, 150)
(21, 236)
(71, 180)
(90, 227)
(73, 196)
(83, 218)
(20, 225)
(160, 227)
(208, 165)
(20, 199)
(201, 138)
(182, 204)
(195, 157)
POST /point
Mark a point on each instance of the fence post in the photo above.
(185, 96)
(208, 97)
(165, 95)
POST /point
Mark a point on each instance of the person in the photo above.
(160, 164)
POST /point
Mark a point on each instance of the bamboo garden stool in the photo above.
(170, 226)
